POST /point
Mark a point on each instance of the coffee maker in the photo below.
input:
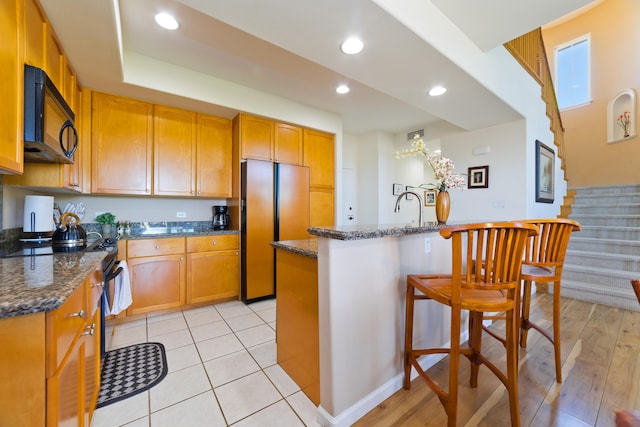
(221, 219)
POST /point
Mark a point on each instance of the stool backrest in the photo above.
(549, 246)
(488, 256)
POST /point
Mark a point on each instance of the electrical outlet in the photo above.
(181, 214)
(427, 245)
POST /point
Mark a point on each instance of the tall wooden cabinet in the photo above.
(319, 156)
(121, 145)
(11, 69)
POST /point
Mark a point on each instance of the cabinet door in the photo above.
(64, 390)
(212, 276)
(156, 283)
(121, 145)
(54, 59)
(288, 144)
(321, 203)
(35, 30)
(91, 369)
(256, 137)
(213, 156)
(11, 68)
(319, 156)
(174, 135)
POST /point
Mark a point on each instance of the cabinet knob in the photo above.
(90, 330)
(199, 193)
(214, 243)
(181, 258)
(191, 192)
(78, 314)
(157, 246)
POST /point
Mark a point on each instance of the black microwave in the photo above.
(49, 132)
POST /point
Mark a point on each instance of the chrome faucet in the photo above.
(420, 208)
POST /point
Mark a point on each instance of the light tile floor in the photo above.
(222, 371)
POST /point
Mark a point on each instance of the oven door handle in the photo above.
(113, 275)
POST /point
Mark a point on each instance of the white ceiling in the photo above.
(290, 48)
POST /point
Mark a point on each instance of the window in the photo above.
(573, 72)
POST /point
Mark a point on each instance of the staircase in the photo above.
(604, 257)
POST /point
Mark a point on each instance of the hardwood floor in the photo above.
(601, 372)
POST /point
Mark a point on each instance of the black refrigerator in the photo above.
(275, 206)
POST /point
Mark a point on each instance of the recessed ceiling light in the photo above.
(352, 45)
(437, 90)
(167, 21)
(342, 89)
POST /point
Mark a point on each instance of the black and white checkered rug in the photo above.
(131, 370)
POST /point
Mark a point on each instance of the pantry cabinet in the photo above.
(121, 145)
(157, 270)
(213, 268)
(11, 63)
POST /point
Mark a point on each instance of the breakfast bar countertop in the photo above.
(304, 247)
(36, 283)
(373, 231)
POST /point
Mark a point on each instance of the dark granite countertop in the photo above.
(360, 232)
(306, 247)
(37, 283)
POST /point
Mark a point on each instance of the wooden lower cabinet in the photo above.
(213, 268)
(297, 335)
(50, 370)
(157, 282)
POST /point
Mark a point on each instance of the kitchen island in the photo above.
(361, 290)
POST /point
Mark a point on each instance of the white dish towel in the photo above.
(122, 293)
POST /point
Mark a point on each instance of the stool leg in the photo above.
(451, 405)
(524, 323)
(408, 336)
(475, 342)
(556, 330)
(512, 367)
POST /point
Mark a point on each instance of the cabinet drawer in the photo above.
(153, 247)
(63, 325)
(212, 243)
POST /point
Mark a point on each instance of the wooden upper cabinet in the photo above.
(11, 91)
(319, 156)
(288, 144)
(214, 151)
(256, 137)
(174, 151)
(121, 145)
(35, 33)
(55, 60)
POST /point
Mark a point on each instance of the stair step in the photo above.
(604, 232)
(606, 199)
(607, 189)
(615, 262)
(599, 294)
(608, 220)
(588, 274)
(612, 246)
(607, 209)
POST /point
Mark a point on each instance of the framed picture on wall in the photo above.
(478, 177)
(545, 167)
(430, 197)
(397, 189)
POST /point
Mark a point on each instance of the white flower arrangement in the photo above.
(442, 166)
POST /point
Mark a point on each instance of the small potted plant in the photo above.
(106, 220)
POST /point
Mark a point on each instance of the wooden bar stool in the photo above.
(544, 260)
(485, 277)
